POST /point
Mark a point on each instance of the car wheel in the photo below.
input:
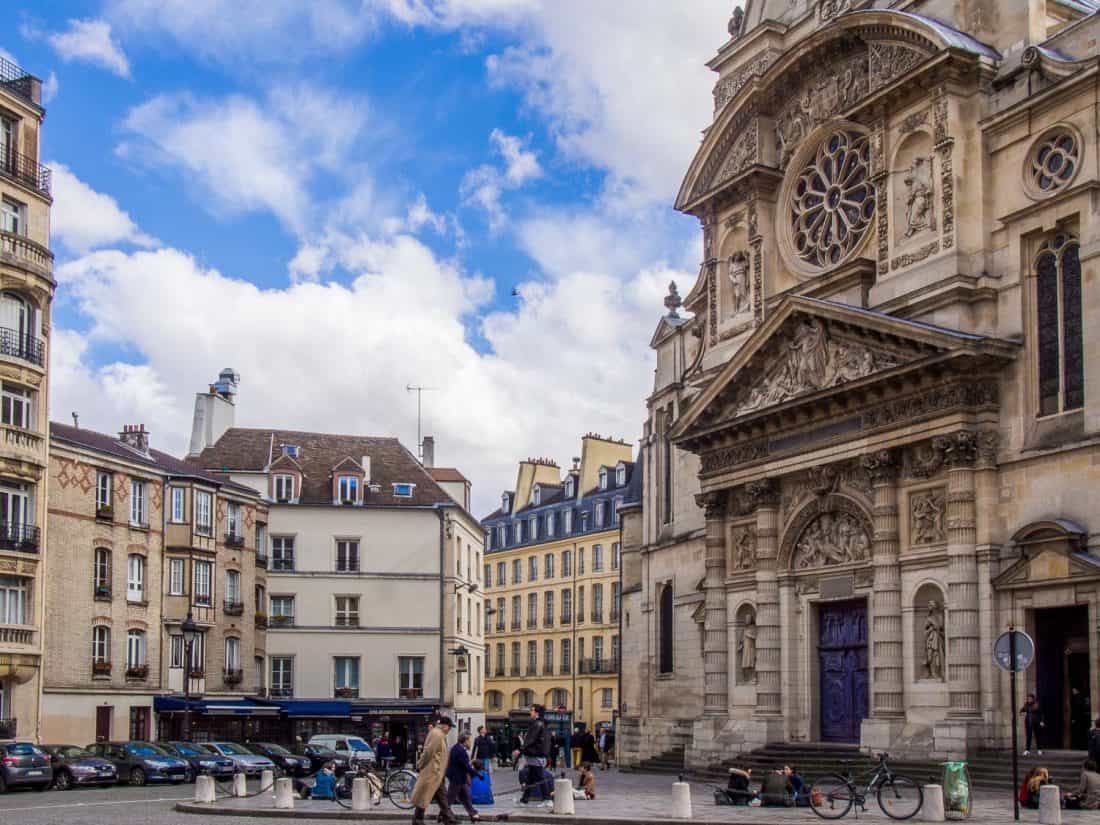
(137, 777)
(63, 781)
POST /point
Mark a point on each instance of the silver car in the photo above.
(247, 762)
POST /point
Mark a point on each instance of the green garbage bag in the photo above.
(956, 787)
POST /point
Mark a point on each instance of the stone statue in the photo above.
(928, 517)
(672, 300)
(744, 546)
(739, 278)
(747, 647)
(920, 197)
(737, 21)
(934, 641)
(809, 355)
(833, 538)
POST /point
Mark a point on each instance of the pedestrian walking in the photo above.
(607, 748)
(575, 747)
(536, 753)
(589, 753)
(459, 773)
(432, 766)
(1033, 723)
(485, 749)
(555, 749)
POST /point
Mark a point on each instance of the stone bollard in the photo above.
(204, 789)
(284, 792)
(681, 800)
(932, 808)
(1050, 805)
(267, 781)
(360, 794)
(240, 785)
(563, 797)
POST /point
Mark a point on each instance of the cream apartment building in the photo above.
(375, 611)
(26, 292)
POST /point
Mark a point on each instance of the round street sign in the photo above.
(1002, 651)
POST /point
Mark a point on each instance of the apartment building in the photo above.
(26, 292)
(374, 582)
(139, 541)
(552, 586)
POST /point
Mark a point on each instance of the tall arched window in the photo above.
(664, 631)
(101, 645)
(102, 573)
(1058, 319)
(135, 650)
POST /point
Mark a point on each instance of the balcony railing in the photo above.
(614, 617)
(567, 618)
(411, 693)
(500, 627)
(281, 692)
(24, 170)
(104, 512)
(517, 625)
(24, 252)
(499, 671)
(597, 617)
(101, 668)
(15, 535)
(102, 593)
(532, 622)
(8, 728)
(598, 666)
(16, 635)
(346, 693)
(261, 560)
(514, 671)
(233, 607)
(137, 672)
(347, 621)
(22, 83)
(281, 621)
(548, 621)
(234, 540)
(261, 620)
(232, 676)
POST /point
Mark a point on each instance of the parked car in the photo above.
(73, 765)
(350, 746)
(202, 763)
(246, 761)
(21, 763)
(319, 755)
(142, 762)
(286, 763)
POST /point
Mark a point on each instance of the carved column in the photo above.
(886, 634)
(715, 652)
(769, 692)
(963, 628)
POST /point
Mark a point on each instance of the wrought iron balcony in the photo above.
(281, 620)
(17, 536)
(234, 540)
(281, 692)
(411, 693)
(137, 672)
(346, 693)
(26, 171)
(233, 607)
(599, 666)
(232, 676)
(8, 728)
(101, 668)
(102, 593)
(261, 620)
(21, 345)
(20, 82)
(21, 251)
(104, 513)
(261, 560)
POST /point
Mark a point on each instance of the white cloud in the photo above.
(50, 87)
(91, 41)
(83, 219)
(484, 185)
(521, 165)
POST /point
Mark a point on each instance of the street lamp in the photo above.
(191, 634)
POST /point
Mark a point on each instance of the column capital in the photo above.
(764, 492)
(960, 449)
(988, 443)
(881, 465)
(712, 503)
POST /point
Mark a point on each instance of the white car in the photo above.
(249, 763)
(351, 746)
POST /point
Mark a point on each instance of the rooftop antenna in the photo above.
(76, 420)
(419, 393)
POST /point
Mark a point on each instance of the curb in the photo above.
(404, 816)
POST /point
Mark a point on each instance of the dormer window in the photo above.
(403, 490)
(603, 478)
(505, 505)
(533, 527)
(348, 489)
(290, 450)
(568, 521)
(620, 476)
(284, 488)
(550, 518)
(502, 536)
(537, 497)
(600, 507)
(570, 490)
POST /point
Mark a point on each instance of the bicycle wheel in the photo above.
(399, 788)
(900, 797)
(831, 796)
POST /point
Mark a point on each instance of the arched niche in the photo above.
(745, 633)
(836, 526)
(914, 171)
(734, 275)
(929, 633)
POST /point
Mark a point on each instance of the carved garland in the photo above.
(944, 145)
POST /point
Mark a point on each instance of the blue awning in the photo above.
(313, 707)
(213, 707)
(397, 708)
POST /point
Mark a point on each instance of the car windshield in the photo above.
(145, 749)
(188, 750)
(71, 752)
(325, 753)
(277, 749)
(233, 750)
(23, 749)
(358, 744)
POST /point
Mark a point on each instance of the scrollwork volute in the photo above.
(713, 504)
(960, 449)
(764, 492)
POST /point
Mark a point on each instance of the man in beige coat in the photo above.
(433, 767)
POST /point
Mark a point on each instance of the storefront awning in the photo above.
(213, 707)
(396, 709)
(313, 707)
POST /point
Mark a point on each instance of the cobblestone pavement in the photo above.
(629, 797)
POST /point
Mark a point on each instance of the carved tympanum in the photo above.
(821, 96)
(832, 538)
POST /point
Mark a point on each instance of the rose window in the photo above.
(1054, 160)
(833, 200)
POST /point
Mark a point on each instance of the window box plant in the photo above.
(101, 668)
(137, 672)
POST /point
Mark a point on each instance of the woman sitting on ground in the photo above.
(777, 790)
(1087, 795)
(324, 785)
(737, 789)
(1029, 790)
(586, 781)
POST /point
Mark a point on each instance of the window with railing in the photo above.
(410, 675)
(500, 614)
(532, 658)
(14, 600)
(234, 535)
(567, 606)
(135, 578)
(500, 660)
(282, 611)
(616, 601)
(282, 553)
(548, 565)
(138, 514)
(548, 609)
(347, 611)
(232, 672)
(261, 544)
(548, 657)
(597, 558)
(101, 571)
(345, 677)
(15, 406)
(204, 576)
(517, 612)
(580, 605)
(104, 506)
(204, 517)
(282, 676)
(101, 650)
(515, 668)
(234, 603)
(597, 603)
(566, 656)
(532, 610)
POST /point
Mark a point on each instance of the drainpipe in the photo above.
(442, 513)
(617, 714)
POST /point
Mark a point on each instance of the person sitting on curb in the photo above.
(324, 785)
(801, 791)
(777, 790)
(737, 791)
(1029, 790)
(586, 781)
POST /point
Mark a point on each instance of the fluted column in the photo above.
(769, 692)
(963, 628)
(715, 652)
(886, 630)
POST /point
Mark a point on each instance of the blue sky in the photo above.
(339, 198)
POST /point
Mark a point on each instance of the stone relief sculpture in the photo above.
(934, 641)
(920, 197)
(832, 538)
(739, 279)
(746, 648)
(819, 98)
(928, 509)
(828, 9)
(743, 546)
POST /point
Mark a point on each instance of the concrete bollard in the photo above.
(204, 789)
(1050, 805)
(681, 800)
(267, 781)
(563, 797)
(360, 794)
(932, 808)
(240, 785)
(284, 793)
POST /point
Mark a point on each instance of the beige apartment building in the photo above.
(26, 292)
(138, 541)
(374, 600)
(873, 443)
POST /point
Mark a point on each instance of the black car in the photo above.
(286, 762)
(202, 763)
(73, 765)
(21, 763)
(318, 755)
(141, 762)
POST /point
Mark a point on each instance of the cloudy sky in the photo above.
(343, 197)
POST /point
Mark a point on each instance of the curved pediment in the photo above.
(777, 98)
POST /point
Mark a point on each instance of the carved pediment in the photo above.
(1050, 566)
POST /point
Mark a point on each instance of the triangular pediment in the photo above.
(1052, 565)
(285, 462)
(810, 347)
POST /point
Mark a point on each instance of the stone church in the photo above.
(873, 442)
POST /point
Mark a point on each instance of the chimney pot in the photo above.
(427, 451)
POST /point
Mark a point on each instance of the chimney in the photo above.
(215, 411)
(366, 469)
(427, 451)
(135, 437)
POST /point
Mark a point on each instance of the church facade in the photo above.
(873, 442)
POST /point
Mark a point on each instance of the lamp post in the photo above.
(191, 634)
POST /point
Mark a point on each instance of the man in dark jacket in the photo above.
(459, 773)
(536, 753)
(485, 749)
(1033, 722)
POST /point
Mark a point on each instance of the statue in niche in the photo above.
(920, 197)
(746, 648)
(934, 641)
(833, 538)
(744, 548)
(739, 279)
(928, 517)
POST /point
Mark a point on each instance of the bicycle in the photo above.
(832, 796)
(397, 785)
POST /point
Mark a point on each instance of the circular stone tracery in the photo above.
(832, 201)
(1054, 160)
